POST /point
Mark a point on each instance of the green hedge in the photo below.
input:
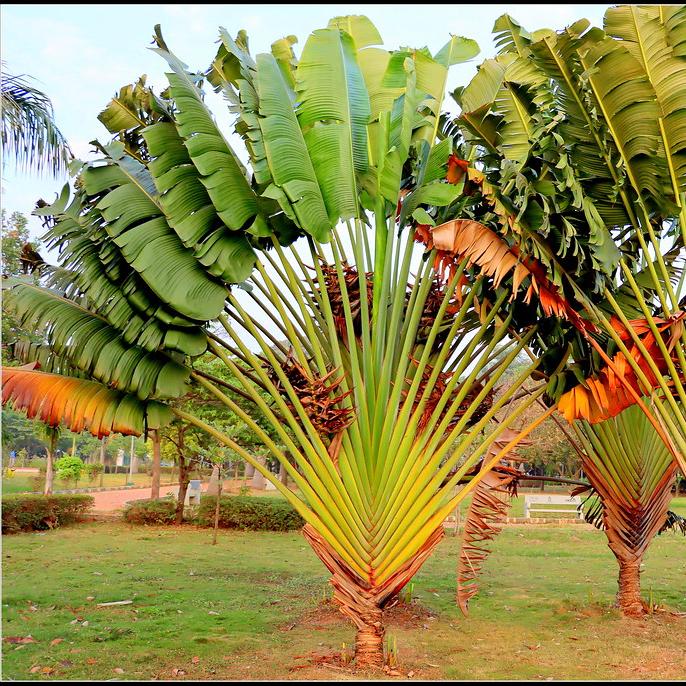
(151, 511)
(249, 513)
(39, 512)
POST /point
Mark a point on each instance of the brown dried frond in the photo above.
(317, 396)
(432, 306)
(351, 278)
(486, 515)
(437, 392)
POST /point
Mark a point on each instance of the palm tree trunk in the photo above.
(362, 602)
(369, 637)
(629, 593)
(155, 484)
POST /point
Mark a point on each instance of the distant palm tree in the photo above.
(29, 132)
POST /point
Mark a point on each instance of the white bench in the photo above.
(572, 504)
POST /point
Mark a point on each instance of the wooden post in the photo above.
(216, 508)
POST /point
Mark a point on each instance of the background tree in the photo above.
(14, 236)
(580, 133)
(20, 433)
(189, 446)
(51, 435)
(29, 134)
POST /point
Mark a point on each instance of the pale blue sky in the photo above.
(81, 54)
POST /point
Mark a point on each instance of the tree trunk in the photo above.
(369, 639)
(49, 468)
(363, 603)
(102, 460)
(49, 474)
(283, 474)
(156, 459)
(249, 471)
(629, 593)
(216, 512)
(184, 478)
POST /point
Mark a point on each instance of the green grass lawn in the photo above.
(255, 607)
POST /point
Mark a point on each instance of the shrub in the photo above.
(93, 470)
(151, 511)
(39, 512)
(69, 468)
(250, 513)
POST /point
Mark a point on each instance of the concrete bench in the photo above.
(539, 503)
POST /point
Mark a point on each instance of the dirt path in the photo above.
(109, 501)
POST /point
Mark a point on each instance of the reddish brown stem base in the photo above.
(629, 593)
(362, 602)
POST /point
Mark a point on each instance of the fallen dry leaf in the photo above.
(19, 639)
(195, 660)
(55, 641)
(118, 670)
(91, 661)
(34, 669)
(47, 670)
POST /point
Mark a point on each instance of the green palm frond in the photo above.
(29, 133)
